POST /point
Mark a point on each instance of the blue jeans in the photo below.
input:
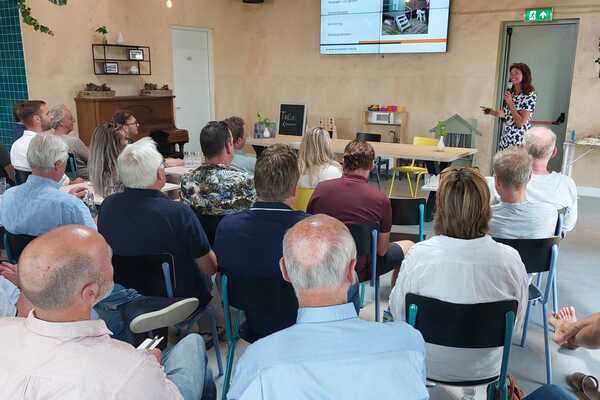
(107, 311)
(550, 392)
(186, 365)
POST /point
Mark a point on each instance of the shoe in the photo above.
(149, 313)
(387, 316)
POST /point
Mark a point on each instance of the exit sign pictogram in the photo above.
(538, 14)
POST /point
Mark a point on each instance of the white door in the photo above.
(192, 74)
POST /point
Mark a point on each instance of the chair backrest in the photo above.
(210, 224)
(21, 176)
(71, 169)
(368, 137)
(409, 211)
(536, 254)
(303, 196)
(15, 244)
(424, 141)
(466, 326)
(365, 237)
(150, 275)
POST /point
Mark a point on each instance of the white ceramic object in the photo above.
(266, 133)
(120, 39)
(441, 145)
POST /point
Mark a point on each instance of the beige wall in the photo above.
(267, 54)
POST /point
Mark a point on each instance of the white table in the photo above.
(178, 171)
(169, 187)
(587, 144)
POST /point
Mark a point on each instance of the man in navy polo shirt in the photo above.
(249, 244)
(142, 221)
(353, 201)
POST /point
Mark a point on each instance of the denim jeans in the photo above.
(107, 311)
(550, 392)
(186, 365)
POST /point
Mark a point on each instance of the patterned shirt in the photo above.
(218, 190)
(512, 135)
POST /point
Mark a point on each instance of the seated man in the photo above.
(550, 187)
(142, 220)
(353, 201)
(515, 217)
(248, 244)
(19, 127)
(36, 118)
(329, 353)
(240, 159)
(61, 353)
(216, 188)
(62, 124)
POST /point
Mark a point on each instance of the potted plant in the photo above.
(441, 131)
(103, 31)
(264, 128)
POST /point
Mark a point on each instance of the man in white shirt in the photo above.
(58, 352)
(515, 217)
(550, 187)
(36, 118)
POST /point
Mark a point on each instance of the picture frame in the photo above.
(111, 68)
(136, 54)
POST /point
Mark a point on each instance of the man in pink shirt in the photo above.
(57, 352)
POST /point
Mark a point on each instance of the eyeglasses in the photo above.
(133, 123)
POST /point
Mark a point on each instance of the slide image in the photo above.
(405, 17)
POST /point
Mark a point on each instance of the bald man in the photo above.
(329, 353)
(58, 352)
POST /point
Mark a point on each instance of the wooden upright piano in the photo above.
(152, 112)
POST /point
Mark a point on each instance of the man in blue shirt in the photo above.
(329, 353)
(143, 221)
(240, 159)
(38, 205)
(248, 244)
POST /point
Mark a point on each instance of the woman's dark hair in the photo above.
(526, 86)
(121, 117)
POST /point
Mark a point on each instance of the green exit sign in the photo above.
(538, 14)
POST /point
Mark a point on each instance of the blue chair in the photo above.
(406, 212)
(539, 256)
(232, 332)
(154, 275)
(466, 326)
(366, 236)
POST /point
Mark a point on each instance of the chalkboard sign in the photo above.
(292, 119)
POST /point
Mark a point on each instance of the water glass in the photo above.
(89, 201)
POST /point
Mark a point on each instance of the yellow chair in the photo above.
(412, 168)
(302, 198)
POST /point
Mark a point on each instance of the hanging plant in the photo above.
(30, 20)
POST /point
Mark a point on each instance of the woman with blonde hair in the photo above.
(316, 160)
(108, 140)
(462, 264)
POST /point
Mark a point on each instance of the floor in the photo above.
(577, 286)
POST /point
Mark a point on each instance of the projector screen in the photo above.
(384, 26)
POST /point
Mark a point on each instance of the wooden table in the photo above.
(168, 188)
(393, 150)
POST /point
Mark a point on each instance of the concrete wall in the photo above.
(267, 54)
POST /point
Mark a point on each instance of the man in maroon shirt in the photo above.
(353, 201)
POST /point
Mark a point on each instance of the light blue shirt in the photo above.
(331, 354)
(37, 206)
(244, 161)
(9, 294)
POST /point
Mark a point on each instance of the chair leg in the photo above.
(410, 188)
(525, 324)
(547, 345)
(417, 185)
(215, 335)
(228, 370)
(392, 184)
(378, 178)
(362, 290)
(555, 292)
(377, 299)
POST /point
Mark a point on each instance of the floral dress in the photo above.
(511, 134)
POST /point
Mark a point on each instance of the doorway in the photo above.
(549, 51)
(193, 81)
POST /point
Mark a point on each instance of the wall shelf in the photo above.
(116, 59)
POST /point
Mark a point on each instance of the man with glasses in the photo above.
(129, 124)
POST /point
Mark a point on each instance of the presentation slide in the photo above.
(384, 26)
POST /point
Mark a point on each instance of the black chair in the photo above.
(21, 176)
(408, 211)
(15, 244)
(466, 326)
(379, 162)
(539, 256)
(365, 237)
(210, 224)
(71, 170)
(154, 275)
(269, 305)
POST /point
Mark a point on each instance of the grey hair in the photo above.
(327, 260)
(58, 114)
(512, 167)
(104, 151)
(138, 162)
(540, 142)
(45, 150)
(62, 283)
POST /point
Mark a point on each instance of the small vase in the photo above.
(441, 145)
(266, 133)
(120, 39)
(104, 39)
